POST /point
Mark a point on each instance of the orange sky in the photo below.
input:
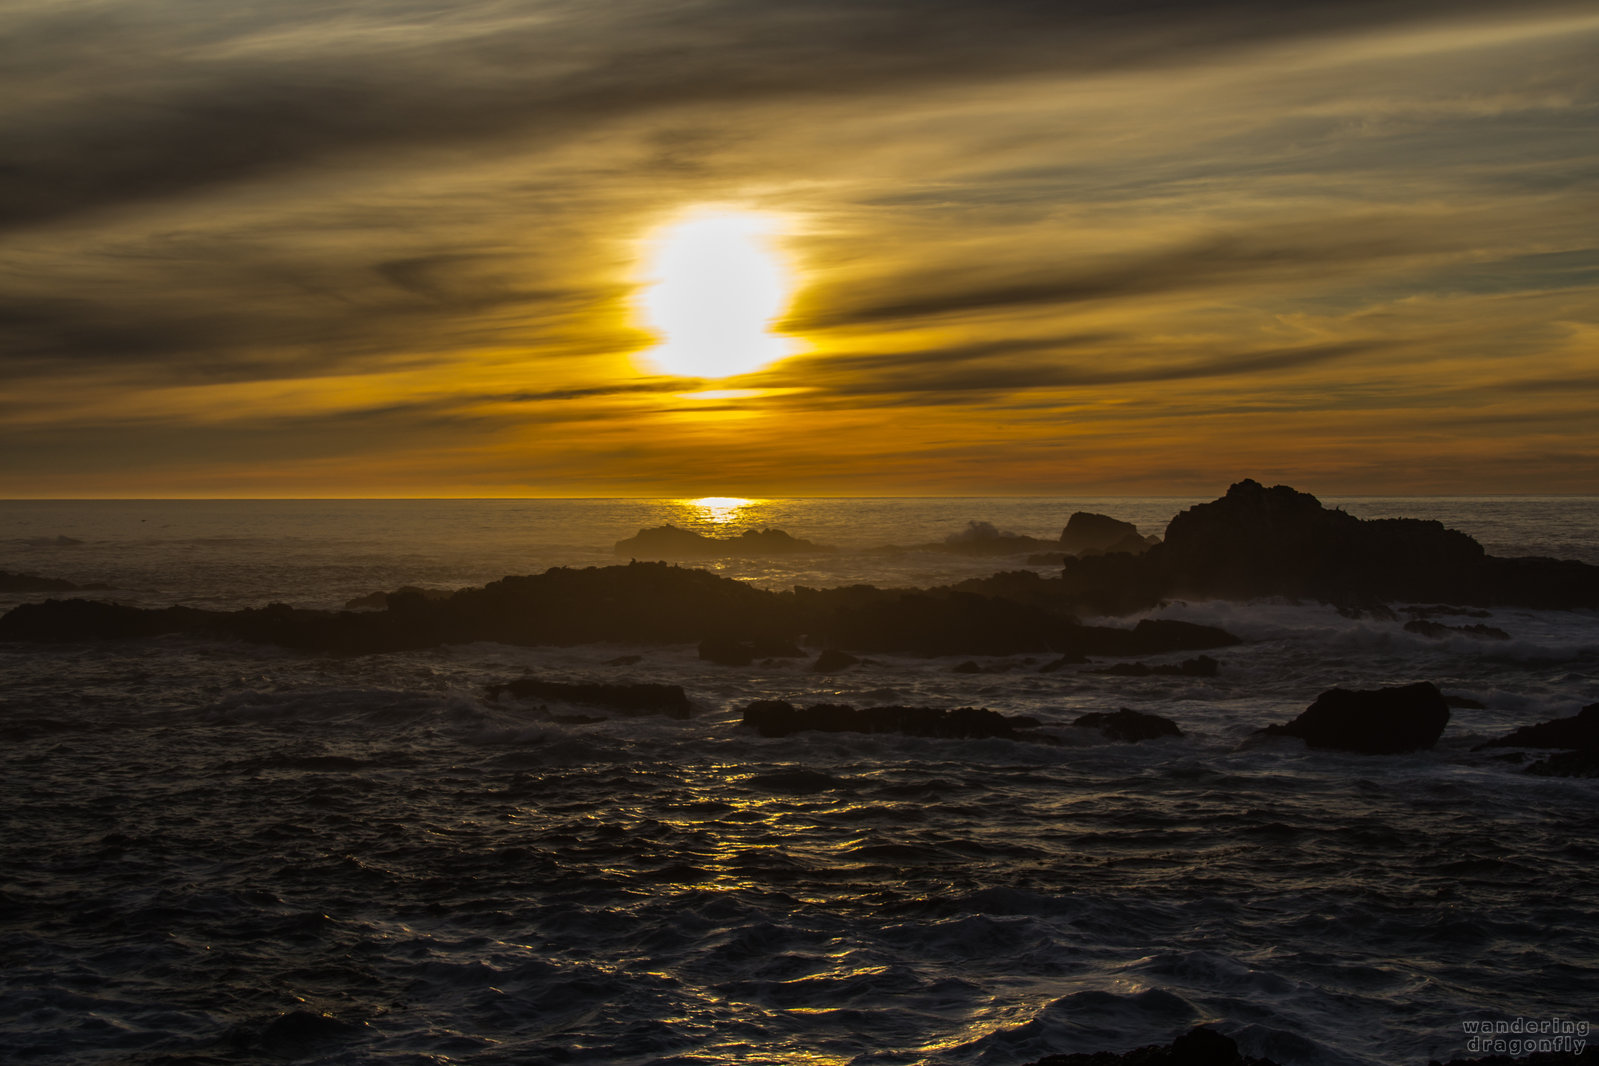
(324, 249)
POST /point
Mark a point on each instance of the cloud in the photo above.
(153, 101)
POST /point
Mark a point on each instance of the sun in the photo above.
(714, 284)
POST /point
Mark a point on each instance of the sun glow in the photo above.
(715, 284)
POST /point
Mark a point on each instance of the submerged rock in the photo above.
(1129, 726)
(1200, 1046)
(633, 699)
(1438, 630)
(12, 582)
(832, 661)
(1384, 721)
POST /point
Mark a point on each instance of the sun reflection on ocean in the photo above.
(717, 510)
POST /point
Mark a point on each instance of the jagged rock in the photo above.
(1088, 532)
(1579, 731)
(1200, 1046)
(637, 698)
(1129, 726)
(1257, 542)
(669, 542)
(832, 661)
(779, 718)
(1382, 721)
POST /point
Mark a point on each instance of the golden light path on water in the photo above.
(717, 510)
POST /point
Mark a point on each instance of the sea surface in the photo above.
(221, 852)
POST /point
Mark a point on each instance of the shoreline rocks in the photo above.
(1385, 721)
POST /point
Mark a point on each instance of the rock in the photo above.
(832, 661)
(1088, 532)
(1437, 630)
(967, 667)
(1382, 721)
(729, 652)
(1256, 542)
(779, 718)
(1130, 726)
(669, 542)
(1579, 731)
(1581, 763)
(381, 601)
(1200, 1046)
(633, 699)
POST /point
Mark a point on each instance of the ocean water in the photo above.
(217, 852)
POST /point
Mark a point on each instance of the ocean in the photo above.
(221, 852)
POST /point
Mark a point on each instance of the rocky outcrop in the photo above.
(642, 603)
(779, 718)
(669, 542)
(832, 661)
(1088, 532)
(1128, 726)
(631, 699)
(1384, 721)
(1257, 541)
(1201, 1046)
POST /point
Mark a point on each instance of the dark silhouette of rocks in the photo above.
(10, 582)
(631, 699)
(669, 542)
(1128, 726)
(779, 718)
(1385, 721)
(642, 603)
(1088, 532)
(1257, 542)
(832, 661)
(379, 601)
(1579, 731)
(728, 652)
(1438, 630)
(1580, 763)
(1200, 1046)
(1201, 666)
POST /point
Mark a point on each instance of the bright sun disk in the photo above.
(715, 284)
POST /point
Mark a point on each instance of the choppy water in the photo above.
(228, 853)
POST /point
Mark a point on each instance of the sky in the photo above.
(347, 248)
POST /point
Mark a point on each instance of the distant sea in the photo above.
(217, 852)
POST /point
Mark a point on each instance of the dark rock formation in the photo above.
(728, 652)
(1579, 731)
(1384, 721)
(642, 603)
(832, 661)
(1257, 541)
(381, 601)
(1129, 726)
(779, 718)
(669, 542)
(632, 699)
(1088, 532)
(1581, 763)
(10, 582)
(1198, 1047)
